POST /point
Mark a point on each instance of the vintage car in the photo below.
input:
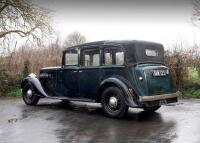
(117, 74)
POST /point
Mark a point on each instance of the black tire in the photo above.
(151, 109)
(29, 99)
(113, 94)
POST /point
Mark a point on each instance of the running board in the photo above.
(72, 99)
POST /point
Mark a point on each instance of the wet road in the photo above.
(52, 121)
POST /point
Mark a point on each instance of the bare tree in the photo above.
(23, 18)
(196, 13)
(74, 38)
(178, 60)
(196, 58)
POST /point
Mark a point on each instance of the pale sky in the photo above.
(160, 21)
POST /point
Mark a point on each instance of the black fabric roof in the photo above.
(136, 53)
(116, 42)
(136, 50)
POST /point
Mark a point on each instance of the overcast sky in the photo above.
(164, 21)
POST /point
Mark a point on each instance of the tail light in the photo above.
(132, 91)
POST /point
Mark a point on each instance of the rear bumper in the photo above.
(158, 97)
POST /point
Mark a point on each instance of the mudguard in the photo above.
(130, 100)
(36, 83)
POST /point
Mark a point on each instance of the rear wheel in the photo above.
(113, 102)
(151, 109)
(28, 94)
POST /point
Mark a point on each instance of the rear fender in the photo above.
(130, 101)
(36, 83)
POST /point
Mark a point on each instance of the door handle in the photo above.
(80, 71)
(74, 71)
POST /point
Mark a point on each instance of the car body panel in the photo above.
(36, 84)
(151, 85)
(89, 81)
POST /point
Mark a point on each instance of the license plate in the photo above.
(162, 102)
(159, 73)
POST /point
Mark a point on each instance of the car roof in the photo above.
(116, 42)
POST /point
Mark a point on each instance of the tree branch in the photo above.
(3, 7)
(20, 32)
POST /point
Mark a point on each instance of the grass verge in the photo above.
(14, 93)
(191, 93)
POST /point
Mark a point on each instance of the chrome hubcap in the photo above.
(113, 102)
(29, 93)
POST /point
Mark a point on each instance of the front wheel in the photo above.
(28, 94)
(113, 102)
(151, 109)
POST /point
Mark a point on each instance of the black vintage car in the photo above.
(117, 74)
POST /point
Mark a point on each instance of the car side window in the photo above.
(113, 56)
(71, 57)
(90, 57)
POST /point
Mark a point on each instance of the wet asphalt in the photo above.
(51, 121)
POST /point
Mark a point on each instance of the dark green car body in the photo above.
(135, 67)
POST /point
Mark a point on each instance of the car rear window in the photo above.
(151, 53)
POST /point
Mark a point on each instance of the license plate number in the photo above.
(159, 73)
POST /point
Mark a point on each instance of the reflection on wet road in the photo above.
(52, 121)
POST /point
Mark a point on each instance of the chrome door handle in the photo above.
(74, 71)
(80, 71)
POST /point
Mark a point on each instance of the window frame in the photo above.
(64, 57)
(91, 48)
(116, 47)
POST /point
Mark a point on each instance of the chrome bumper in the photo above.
(157, 97)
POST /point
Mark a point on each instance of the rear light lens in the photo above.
(132, 91)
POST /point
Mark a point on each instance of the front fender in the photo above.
(130, 100)
(36, 83)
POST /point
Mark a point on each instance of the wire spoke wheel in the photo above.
(29, 95)
(113, 102)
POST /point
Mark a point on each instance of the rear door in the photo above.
(89, 71)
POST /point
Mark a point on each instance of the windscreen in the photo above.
(144, 53)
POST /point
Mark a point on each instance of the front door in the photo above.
(89, 72)
(70, 78)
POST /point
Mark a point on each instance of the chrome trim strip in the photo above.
(157, 97)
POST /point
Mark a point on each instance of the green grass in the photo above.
(14, 93)
(193, 74)
(193, 84)
(191, 93)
